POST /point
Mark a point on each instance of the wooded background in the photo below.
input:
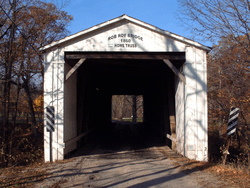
(26, 26)
(127, 107)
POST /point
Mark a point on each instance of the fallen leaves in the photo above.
(21, 177)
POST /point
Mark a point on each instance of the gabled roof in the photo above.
(128, 19)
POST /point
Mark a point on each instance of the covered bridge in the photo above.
(125, 56)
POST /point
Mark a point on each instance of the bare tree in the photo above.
(25, 26)
(228, 85)
(127, 106)
(216, 19)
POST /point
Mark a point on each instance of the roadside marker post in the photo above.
(50, 124)
(231, 128)
(232, 121)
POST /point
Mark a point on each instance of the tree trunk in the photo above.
(249, 159)
(14, 114)
(32, 111)
(226, 150)
(120, 114)
(7, 84)
(134, 110)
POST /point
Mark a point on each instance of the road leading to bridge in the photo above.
(121, 158)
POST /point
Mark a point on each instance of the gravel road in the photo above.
(123, 158)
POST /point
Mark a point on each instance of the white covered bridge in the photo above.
(118, 57)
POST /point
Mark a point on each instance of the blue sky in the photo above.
(160, 13)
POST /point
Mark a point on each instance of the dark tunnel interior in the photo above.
(99, 79)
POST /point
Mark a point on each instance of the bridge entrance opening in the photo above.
(152, 84)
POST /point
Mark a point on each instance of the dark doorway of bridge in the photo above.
(127, 108)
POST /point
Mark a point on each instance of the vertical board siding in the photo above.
(190, 110)
(48, 95)
(179, 105)
(201, 106)
(196, 104)
(60, 110)
(55, 103)
(70, 102)
(53, 96)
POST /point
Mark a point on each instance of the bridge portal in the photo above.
(125, 56)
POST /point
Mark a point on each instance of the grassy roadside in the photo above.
(22, 176)
(28, 175)
(228, 174)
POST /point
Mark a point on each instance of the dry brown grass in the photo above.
(236, 177)
(22, 176)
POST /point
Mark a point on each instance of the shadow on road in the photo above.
(113, 141)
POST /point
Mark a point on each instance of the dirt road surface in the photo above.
(123, 158)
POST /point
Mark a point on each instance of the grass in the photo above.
(22, 176)
(130, 119)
